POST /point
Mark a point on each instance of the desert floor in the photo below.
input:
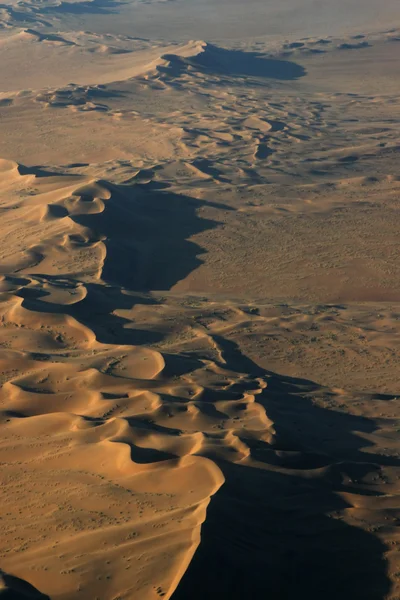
(199, 300)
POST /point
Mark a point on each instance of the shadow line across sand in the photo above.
(274, 529)
(224, 62)
(15, 588)
(147, 236)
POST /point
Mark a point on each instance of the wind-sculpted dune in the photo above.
(142, 468)
(199, 306)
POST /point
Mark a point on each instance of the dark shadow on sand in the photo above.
(146, 234)
(235, 63)
(275, 532)
(14, 588)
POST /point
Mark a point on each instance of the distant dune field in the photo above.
(199, 300)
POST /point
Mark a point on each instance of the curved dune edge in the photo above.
(142, 468)
(83, 58)
(77, 414)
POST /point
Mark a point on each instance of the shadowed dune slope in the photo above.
(199, 302)
(162, 469)
(236, 63)
(13, 588)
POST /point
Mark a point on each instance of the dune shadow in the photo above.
(236, 63)
(15, 588)
(267, 535)
(145, 456)
(275, 530)
(147, 237)
(96, 311)
(146, 233)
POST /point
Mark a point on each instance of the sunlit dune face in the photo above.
(199, 300)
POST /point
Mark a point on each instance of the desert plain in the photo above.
(199, 300)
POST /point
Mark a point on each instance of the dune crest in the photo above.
(199, 304)
(137, 447)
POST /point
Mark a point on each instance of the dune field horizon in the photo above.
(199, 300)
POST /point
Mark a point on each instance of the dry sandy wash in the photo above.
(199, 300)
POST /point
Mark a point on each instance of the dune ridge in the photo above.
(199, 310)
(103, 416)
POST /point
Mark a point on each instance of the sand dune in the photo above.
(103, 417)
(79, 57)
(199, 317)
